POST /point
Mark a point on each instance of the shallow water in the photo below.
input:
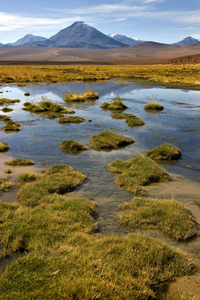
(40, 137)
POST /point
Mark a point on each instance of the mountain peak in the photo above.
(81, 35)
(187, 41)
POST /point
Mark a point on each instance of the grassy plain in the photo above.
(175, 74)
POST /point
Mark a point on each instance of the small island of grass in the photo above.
(153, 106)
(81, 97)
(71, 146)
(69, 120)
(136, 173)
(7, 109)
(108, 140)
(131, 119)
(4, 147)
(5, 100)
(164, 152)
(48, 108)
(117, 104)
(20, 162)
(5, 185)
(169, 216)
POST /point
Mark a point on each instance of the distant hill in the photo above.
(27, 40)
(81, 35)
(125, 40)
(187, 41)
(188, 59)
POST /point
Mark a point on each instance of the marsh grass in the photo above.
(68, 120)
(20, 162)
(10, 126)
(131, 119)
(4, 147)
(59, 179)
(28, 177)
(154, 106)
(108, 140)
(48, 108)
(26, 94)
(168, 216)
(71, 146)
(164, 152)
(81, 97)
(5, 185)
(132, 267)
(116, 104)
(6, 101)
(181, 74)
(136, 173)
(7, 109)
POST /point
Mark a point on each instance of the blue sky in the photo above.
(165, 21)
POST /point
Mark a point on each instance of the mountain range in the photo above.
(81, 35)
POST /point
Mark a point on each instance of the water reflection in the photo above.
(40, 138)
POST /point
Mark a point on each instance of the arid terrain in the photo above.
(145, 53)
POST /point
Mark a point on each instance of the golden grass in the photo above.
(181, 74)
(136, 173)
(168, 216)
(4, 147)
(81, 97)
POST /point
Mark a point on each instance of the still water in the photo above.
(40, 138)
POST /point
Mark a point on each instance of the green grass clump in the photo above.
(4, 147)
(69, 120)
(168, 216)
(79, 97)
(135, 173)
(5, 185)
(20, 162)
(164, 152)
(117, 104)
(27, 177)
(71, 146)
(131, 120)
(47, 108)
(108, 140)
(59, 179)
(132, 267)
(46, 225)
(7, 109)
(5, 100)
(11, 126)
(154, 106)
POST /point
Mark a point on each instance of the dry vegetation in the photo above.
(136, 173)
(108, 140)
(81, 97)
(169, 216)
(187, 74)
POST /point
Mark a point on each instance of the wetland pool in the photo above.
(40, 138)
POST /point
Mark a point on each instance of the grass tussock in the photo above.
(28, 177)
(81, 97)
(131, 119)
(168, 216)
(48, 108)
(136, 173)
(7, 109)
(116, 104)
(11, 126)
(132, 267)
(20, 162)
(154, 106)
(8, 101)
(164, 152)
(4, 147)
(71, 146)
(5, 185)
(108, 140)
(59, 179)
(70, 120)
